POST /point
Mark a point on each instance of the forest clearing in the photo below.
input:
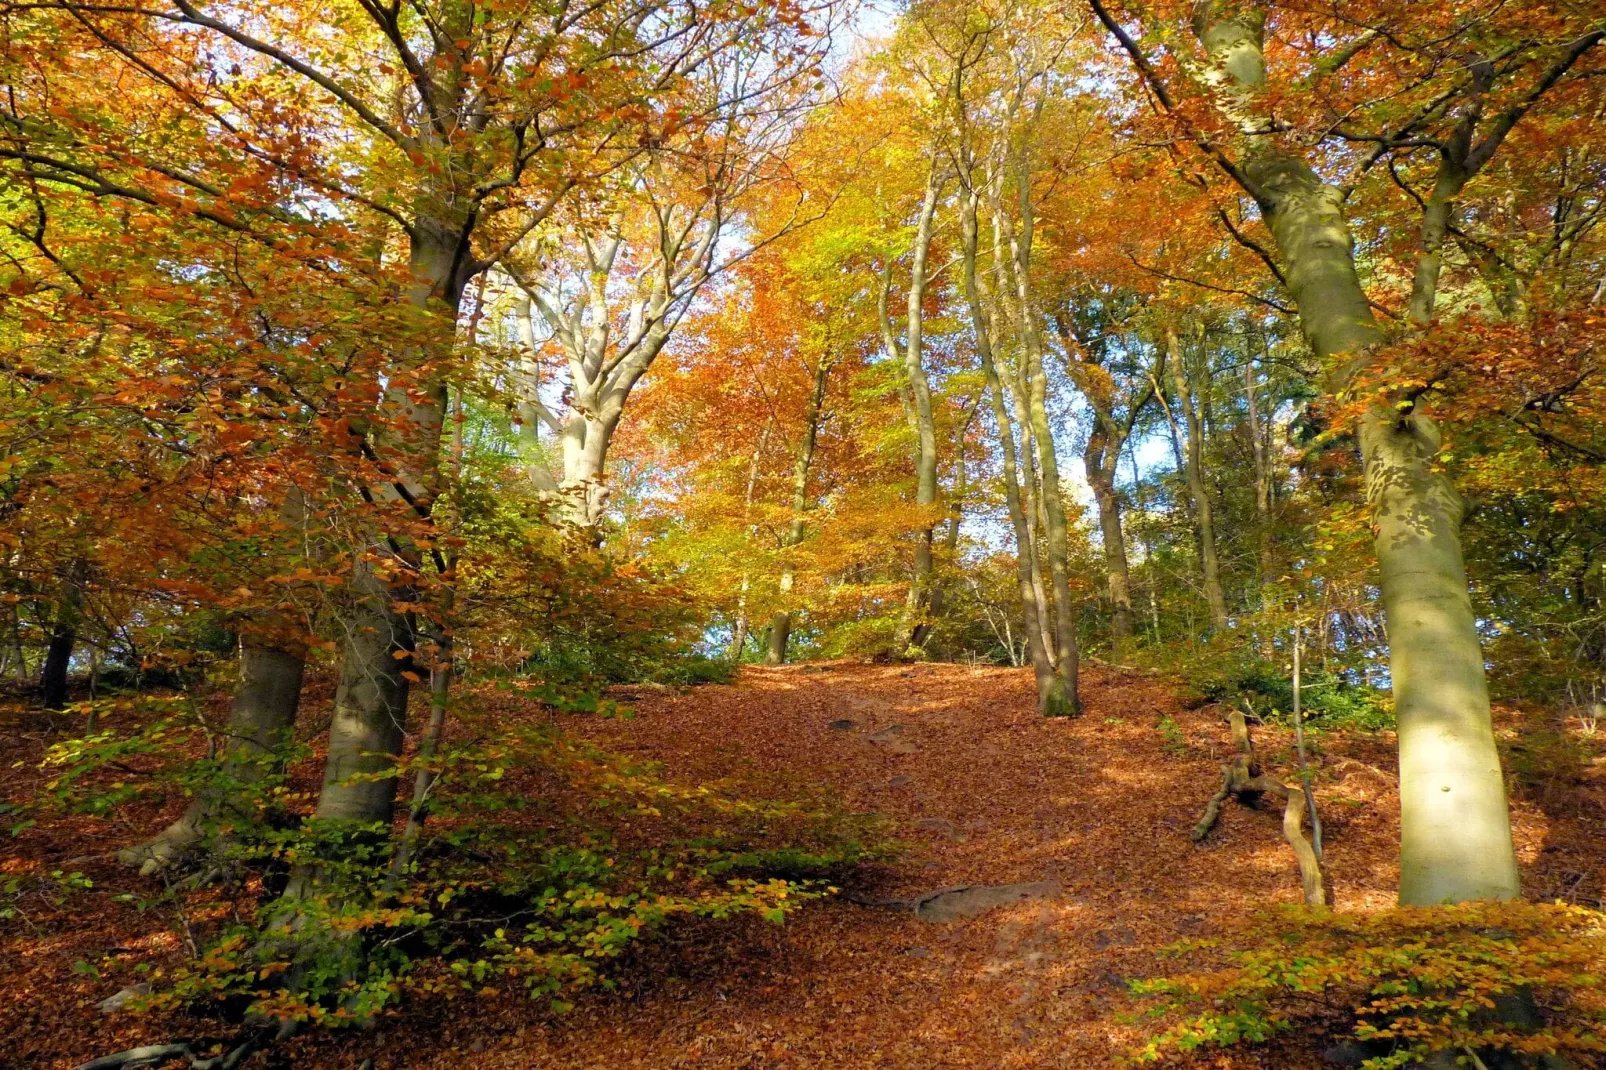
(819, 533)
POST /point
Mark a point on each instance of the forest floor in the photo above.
(1093, 813)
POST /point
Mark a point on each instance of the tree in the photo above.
(1456, 841)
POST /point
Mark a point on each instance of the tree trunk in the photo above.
(1017, 271)
(370, 718)
(1455, 827)
(63, 637)
(58, 656)
(1099, 459)
(1257, 445)
(1051, 697)
(1203, 514)
(740, 630)
(781, 624)
(266, 698)
(916, 608)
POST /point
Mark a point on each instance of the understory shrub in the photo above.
(1522, 979)
(544, 860)
(1233, 674)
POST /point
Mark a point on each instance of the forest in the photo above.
(802, 533)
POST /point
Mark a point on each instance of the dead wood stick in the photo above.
(1242, 779)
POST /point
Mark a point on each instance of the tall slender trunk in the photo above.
(916, 625)
(740, 631)
(1257, 445)
(1455, 826)
(441, 669)
(956, 511)
(1018, 271)
(781, 623)
(1100, 458)
(1051, 697)
(1031, 490)
(1203, 513)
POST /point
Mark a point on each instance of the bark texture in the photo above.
(1050, 690)
(1455, 828)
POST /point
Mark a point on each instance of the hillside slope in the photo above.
(1092, 815)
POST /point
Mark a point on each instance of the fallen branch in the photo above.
(1242, 779)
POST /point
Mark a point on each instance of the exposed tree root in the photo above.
(157, 1054)
(170, 846)
(1242, 779)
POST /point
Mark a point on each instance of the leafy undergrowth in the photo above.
(1521, 979)
(979, 788)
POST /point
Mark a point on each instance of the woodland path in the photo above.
(983, 791)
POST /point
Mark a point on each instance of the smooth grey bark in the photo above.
(1101, 457)
(266, 697)
(1455, 829)
(370, 717)
(781, 623)
(1193, 468)
(1014, 270)
(743, 625)
(609, 345)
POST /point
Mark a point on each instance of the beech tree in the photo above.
(1455, 829)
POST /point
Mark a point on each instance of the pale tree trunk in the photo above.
(267, 696)
(1102, 457)
(781, 623)
(1203, 512)
(1017, 272)
(1044, 508)
(1051, 697)
(1455, 828)
(742, 626)
(956, 509)
(917, 611)
(609, 346)
(1031, 487)
(1118, 574)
